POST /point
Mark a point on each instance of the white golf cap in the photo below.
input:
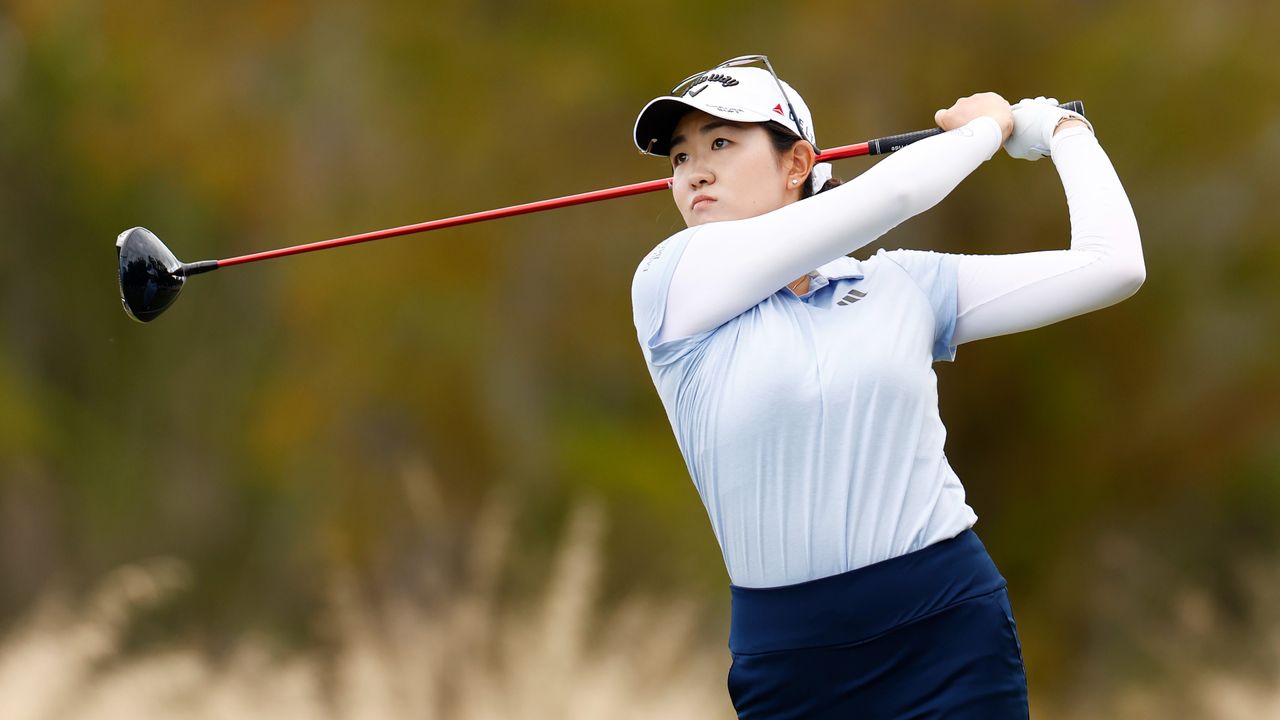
(741, 94)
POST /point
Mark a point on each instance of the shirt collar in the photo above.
(841, 268)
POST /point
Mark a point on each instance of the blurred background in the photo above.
(430, 476)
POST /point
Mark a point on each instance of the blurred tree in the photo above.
(278, 424)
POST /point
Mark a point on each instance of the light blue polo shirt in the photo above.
(809, 424)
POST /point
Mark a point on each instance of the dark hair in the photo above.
(783, 140)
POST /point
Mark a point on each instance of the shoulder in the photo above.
(925, 267)
(906, 259)
(649, 290)
(655, 268)
(933, 273)
(933, 277)
(652, 279)
(660, 254)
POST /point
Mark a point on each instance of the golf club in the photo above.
(151, 276)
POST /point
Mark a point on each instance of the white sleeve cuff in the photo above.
(992, 129)
(1070, 132)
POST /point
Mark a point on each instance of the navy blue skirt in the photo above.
(929, 634)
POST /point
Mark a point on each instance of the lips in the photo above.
(694, 205)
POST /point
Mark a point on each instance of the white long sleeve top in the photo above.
(809, 423)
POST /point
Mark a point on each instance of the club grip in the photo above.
(893, 143)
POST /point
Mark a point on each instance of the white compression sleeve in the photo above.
(753, 258)
(1002, 294)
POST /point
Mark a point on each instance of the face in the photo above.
(724, 170)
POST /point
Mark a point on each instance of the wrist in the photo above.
(1068, 122)
(990, 122)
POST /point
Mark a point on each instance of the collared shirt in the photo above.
(809, 423)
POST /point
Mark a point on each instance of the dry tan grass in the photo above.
(560, 656)
(466, 659)
(1192, 657)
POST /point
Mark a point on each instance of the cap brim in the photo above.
(658, 120)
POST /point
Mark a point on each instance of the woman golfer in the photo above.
(799, 384)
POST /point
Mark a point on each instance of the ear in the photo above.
(802, 160)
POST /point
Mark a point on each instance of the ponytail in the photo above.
(830, 183)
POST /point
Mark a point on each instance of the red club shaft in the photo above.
(845, 151)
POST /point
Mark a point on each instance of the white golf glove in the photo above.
(1034, 121)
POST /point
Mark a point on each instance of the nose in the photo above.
(699, 173)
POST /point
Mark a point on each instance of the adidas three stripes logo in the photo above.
(853, 297)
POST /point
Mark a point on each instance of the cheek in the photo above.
(681, 197)
(761, 175)
(679, 181)
(764, 190)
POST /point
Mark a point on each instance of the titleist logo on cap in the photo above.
(724, 80)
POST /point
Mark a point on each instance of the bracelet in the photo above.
(1065, 118)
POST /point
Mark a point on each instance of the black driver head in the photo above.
(150, 276)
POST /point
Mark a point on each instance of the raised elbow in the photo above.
(1126, 269)
(1130, 277)
(1138, 268)
(1136, 277)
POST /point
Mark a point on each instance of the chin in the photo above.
(702, 217)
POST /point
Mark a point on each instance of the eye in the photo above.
(677, 159)
(719, 140)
